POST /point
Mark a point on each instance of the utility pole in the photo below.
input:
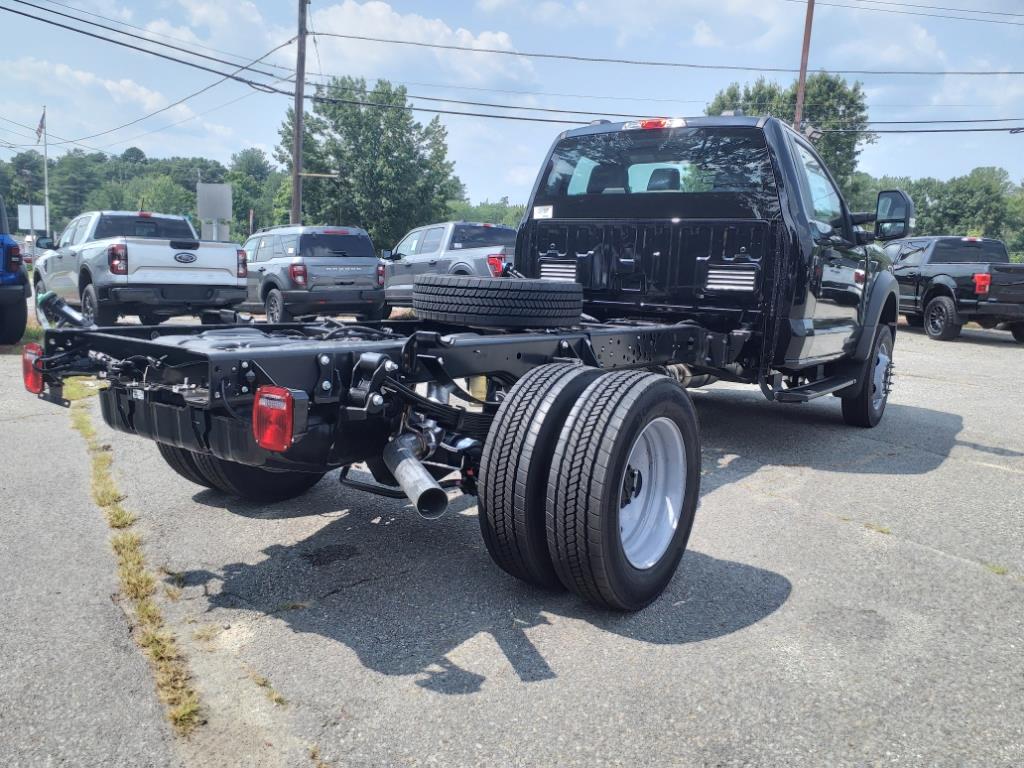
(802, 84)
(46, 178)
(297, 117)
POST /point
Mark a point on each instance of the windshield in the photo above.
(960, 251)
(482, 236)
(662, 173)
(142, 226)
(320, 244)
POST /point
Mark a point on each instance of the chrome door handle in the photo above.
(432, 262)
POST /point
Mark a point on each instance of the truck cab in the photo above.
(734, 223)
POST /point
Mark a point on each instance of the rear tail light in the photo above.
(496, 263)
(13, 258)
(859, 276)
(380, 274)
(297, 272)
(982, 282)
(31, 375)
(652, 123)
(273, 418)
(243, 264)
(117, 257)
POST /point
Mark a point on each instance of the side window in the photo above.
(82, 231)
(264, 251)
(278, 247)
(431, 240)
(250, 249)
(408, 246)
(68, 235)
(825, 201)
(290, 245)
(892, 250)
(912, 255)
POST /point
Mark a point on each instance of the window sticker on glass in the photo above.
(543, 211)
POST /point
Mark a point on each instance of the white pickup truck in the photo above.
(115, 263)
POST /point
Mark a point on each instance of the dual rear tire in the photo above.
(590, 482)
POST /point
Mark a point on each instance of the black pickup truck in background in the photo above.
(948, 281)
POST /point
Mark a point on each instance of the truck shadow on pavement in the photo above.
(404, 593)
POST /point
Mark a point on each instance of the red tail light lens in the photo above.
(859, 276)
(496, 263)
(297, 272)
(380, 274)
(31, 375)
(243, 263)
(273, 418)
(982, 282)
(117, 257)
(13, 258)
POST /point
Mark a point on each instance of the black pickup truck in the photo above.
(653, 255)
(948, 281)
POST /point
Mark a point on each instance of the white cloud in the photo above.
(704, 36)
(379, 19)
(493, 5)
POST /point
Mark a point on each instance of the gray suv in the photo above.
(296, 271)
(451, 248)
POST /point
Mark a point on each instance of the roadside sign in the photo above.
(31, 217)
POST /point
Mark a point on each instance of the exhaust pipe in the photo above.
(402, 456)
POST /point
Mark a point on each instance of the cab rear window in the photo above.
(481, 236)
(140, 226)
(720, 172)
(969, 251)
(323, 244)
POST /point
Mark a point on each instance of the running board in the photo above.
(813, 390)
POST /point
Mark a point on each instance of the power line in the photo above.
(917, 13)
(653, 63)
(139, 37)
(941, 8)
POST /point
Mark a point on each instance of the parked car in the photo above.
(14, 286)
(153, 265)
(693, 243)
(948, 281)
(451, 248)
(297, 271)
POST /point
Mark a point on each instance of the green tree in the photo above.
(254, 184)
(830, 104)
(159, 193)
(393, 172)
(498, 212)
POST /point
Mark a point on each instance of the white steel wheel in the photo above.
(652, 495)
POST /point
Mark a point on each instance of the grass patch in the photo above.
(998, 570)
(314, 755)
(877, 528)
(80, 387)
(276, 698)
(207, 633)
(138, 584)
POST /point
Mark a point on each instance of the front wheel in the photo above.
(865, 409)
(623, 489)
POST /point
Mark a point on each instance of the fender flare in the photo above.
(883, 288)
(267, 286)
(461, 266)
(938, 283)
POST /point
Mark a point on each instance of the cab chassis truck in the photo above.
(680, 252)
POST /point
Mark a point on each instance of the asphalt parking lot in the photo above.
(849, 597)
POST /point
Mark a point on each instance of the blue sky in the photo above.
(90, 86)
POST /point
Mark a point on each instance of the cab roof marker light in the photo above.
(650, 123)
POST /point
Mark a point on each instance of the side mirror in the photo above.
(894, 215)
(387, 255)
(44, 243)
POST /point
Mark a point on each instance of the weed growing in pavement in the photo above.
(998, 570)
(877, 528)
(276, 698)
(314, 755)
(138, 584)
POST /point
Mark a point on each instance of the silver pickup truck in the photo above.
(451, 248)
(115, 263)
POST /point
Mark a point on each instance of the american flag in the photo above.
(41, 128)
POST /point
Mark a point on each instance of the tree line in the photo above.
(387, 172)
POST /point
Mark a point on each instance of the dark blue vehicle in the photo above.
(14, 285)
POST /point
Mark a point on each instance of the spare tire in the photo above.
(497, 302)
